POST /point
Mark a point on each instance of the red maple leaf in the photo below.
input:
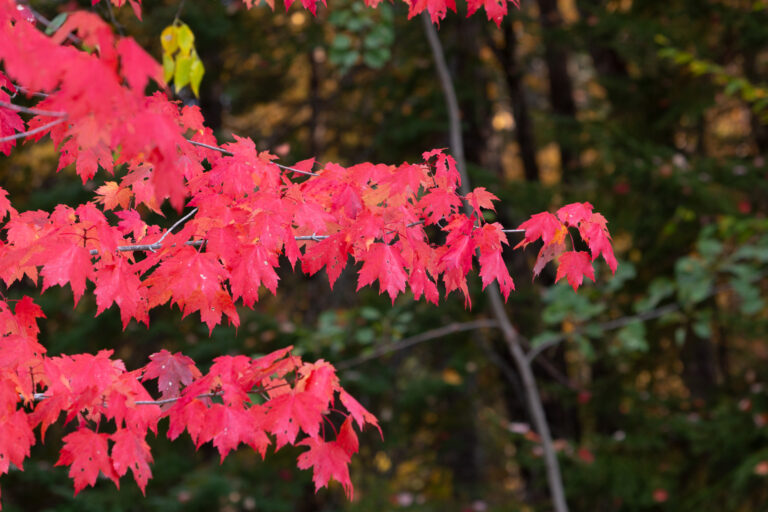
(595, 233)
(574, 213)
(481, 198)
(16, 438)
(327, 460)
(86, 453)
(171, 371)
(385, 263)
(117, 283)
(541, 225)
(5, 204)
(358, 412)
(574, 265)
(71, 264)
(131, 451)
(287, 412)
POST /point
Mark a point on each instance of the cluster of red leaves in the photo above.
(495, 10)
(403, 224)
(238, 401)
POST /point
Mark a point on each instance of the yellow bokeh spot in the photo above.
(298, 18)
(382, 462)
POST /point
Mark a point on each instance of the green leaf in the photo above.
(631, 337)
(376, 59)
(56, 23)
(585, 347)
(186, 39)
(709, 248)
(181, 74)
(660, 289)
(702, 326)
(544, 337)
(694, 281)
(341, 42)
(196, 72)
(370, 313)
(365, 335)
(749, 294)
(168, 66)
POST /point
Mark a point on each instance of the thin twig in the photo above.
(33, 111)
(176, 224)
(39, 129)
(229, 153)
(47, 23)
(605, 326)
(117, 25)
(313, 237)
(419, 338)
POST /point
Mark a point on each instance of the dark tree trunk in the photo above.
(507, 57)
(560, 90)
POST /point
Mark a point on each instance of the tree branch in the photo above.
(229, 153)
(511, 336)
(605, 326)
(418, 338)
(33, 111)
(39, 129)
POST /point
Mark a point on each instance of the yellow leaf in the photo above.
(196, 72)
(181, 74)
(169, 39)
(186, 39)
(167, 67)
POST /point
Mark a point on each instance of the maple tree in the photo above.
(404, 224)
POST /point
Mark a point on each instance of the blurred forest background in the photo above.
(654, 380)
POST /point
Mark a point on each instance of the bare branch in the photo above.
(33, 111)
(229, 153)
(176, 224)
(419, 338)
(39, 129)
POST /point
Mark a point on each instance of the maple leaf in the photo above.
(16, 438)
(186, 415)
(137, 66)
(541, 225)
(112, 195)
(116, 282)
(10, 123)
(254, 266)
(358, 412)
(575, 213)
(86, 453)
(131, 451)
(481, 198)
(330, 253)
(595, 233)
(574, 265)
(289, 411)
(385, 263)
(27, 313)
(327, 460)
(5, 204)
(171, 371)
(227, 427)
(347, 437)
(72, 264)
(320, 379)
